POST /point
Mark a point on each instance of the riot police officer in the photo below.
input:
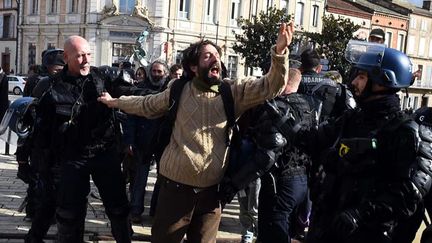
(84, 137)
(374, 170)
(282, 167)
(284, 187)
(34, 163)
(52, 62)
(406, 230)
(330, 99)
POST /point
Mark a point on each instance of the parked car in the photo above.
(16, 84)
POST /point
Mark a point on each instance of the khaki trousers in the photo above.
(182, 209)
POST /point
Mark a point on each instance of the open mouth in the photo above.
(215, 70)
(356, 92)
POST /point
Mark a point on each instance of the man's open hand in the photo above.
(108, 100)
(286, 32)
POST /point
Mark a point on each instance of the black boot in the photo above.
(121, 229)
(70, 227)
(31, 239)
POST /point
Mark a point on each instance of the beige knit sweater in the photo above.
(196, 154)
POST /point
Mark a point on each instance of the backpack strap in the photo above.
(174, 100)
(165, 130)
(228, 102)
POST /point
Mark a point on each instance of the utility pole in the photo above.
(217, 31)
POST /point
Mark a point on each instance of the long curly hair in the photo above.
(192, 53)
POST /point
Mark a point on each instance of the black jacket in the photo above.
(368, 156)
(331, 99)
(297, 108)
(70, 122)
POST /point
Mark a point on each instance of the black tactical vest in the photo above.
(88, 126)
(323, 91)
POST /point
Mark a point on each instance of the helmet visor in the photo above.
(10, 137)
(6, 134)
(11, 134)
(5, 121)
(17, 119)
(356, 49)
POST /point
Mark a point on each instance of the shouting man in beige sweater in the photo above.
(194, 161)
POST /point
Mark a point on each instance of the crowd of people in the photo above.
(316, 160)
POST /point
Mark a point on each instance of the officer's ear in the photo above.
(318, 68)
(378, 87)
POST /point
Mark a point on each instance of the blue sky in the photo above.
(416, 2)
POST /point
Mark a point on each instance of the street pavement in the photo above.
(13, 228)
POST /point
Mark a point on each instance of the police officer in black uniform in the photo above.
(406, 230)
(85, 137)
(423, 116)
(284, 187)
(28, 169)
(52, 62)
(281, 166)
(35, 165)
(375, 171)
(330, 99)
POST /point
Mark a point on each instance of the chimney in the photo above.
(427, 5)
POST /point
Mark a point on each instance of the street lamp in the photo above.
(18, 49)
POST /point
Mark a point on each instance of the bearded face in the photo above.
(209, 67)
(358, 85)
(212, 73)
(157, 73)
(157, 78)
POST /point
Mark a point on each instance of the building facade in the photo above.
(8, 35)
(394, 23)
(110, 29)
(419, 48)
(357, 15)
(166, 27)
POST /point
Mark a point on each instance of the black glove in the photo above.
(346, 223)
(24, 172)
(227, 192)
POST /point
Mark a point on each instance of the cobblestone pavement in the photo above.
(13, 228)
